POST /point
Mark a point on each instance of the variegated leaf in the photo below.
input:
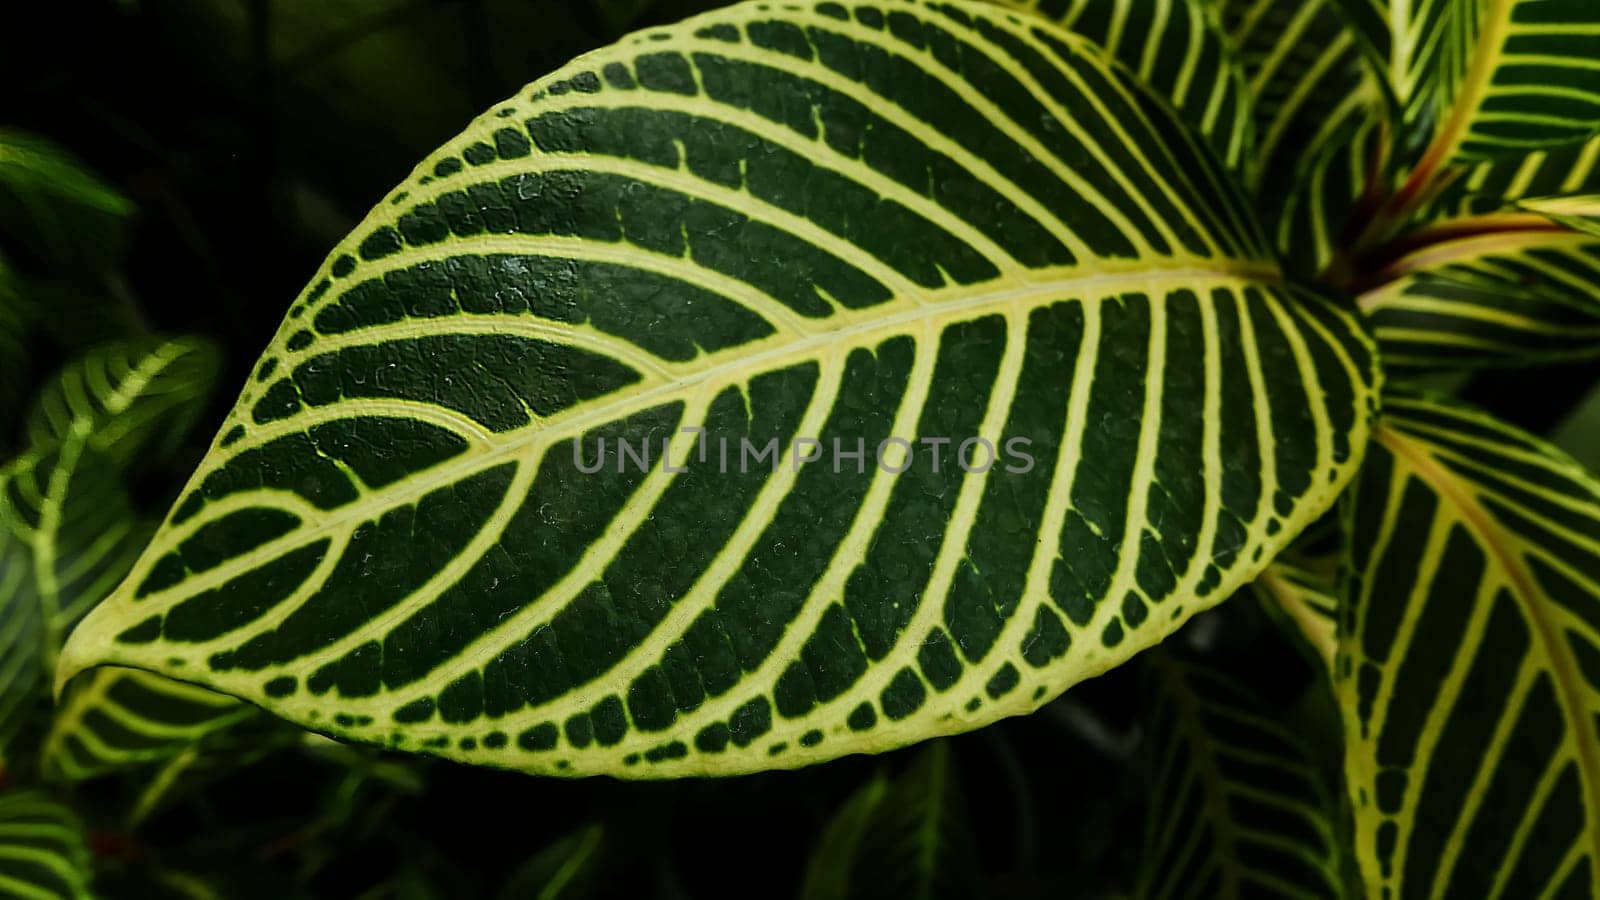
(1469, 661)
(1236, 807)
(1320, 116)
(1487, 79)
(43, 854)
(117, 718)
(1523, 295)
(911, 220)
(1178, 49)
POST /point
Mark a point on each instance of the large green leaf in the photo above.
(901, 838)
(1178, 49)
(43, 855)
(912, 220)
(1236, 807)
(1517, 296)
(1488, 78)
(1469, 661)
(1319, 113)
(57, 208)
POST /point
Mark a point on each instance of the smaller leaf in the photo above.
(43, 853)
(116, 718)
(67, 507)
(1237, 808)
(1305, 603)
(1580, 212)
(1465, 300)
(124, 396)
(56, 207)
(566, 870)
(907, 837)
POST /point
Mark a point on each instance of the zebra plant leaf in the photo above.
(43, 854)
(1237, 809)
(1319, 120)
(810, 228)
(73, 530)
(1486, 79)
(1522, 295)
(1467, 670)
(1579, 212)
(1178, 49)
(120, 397)
(1500, 186)
(115, 718)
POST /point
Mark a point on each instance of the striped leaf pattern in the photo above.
(1319, 114)
(1488, 78)
(120, 398)
(1304, 601)
(71, 530)
(1578, 212)
(43, 855)
(22, 636)
(1469, 661)
(1500, 185)
(1522, 295)
(1178, 49)
(853, 226)
(115, 718)
(1236, 807)
(71, 534)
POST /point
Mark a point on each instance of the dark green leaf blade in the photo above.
(1469, 633)
(391, 540)
(1236, 807)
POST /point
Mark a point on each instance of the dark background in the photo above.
(251, 135)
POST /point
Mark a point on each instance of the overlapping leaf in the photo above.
(125, 398)
(43, 855)
(896, 220)
(1305, 602)
(1236, 807)
(1485, 79)
(1469, 661)
(1319, 113)
(900, 838)
(1500, 186)
(1178, 49)
(116, 718)
(69, 534)
(1524, 294)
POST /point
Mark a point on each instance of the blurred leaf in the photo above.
(42, 849)
(566, 870)
(57, 208)
(905, 838)
(118, 718)
(120, 398)
(1305, 604)
(1236, 807)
